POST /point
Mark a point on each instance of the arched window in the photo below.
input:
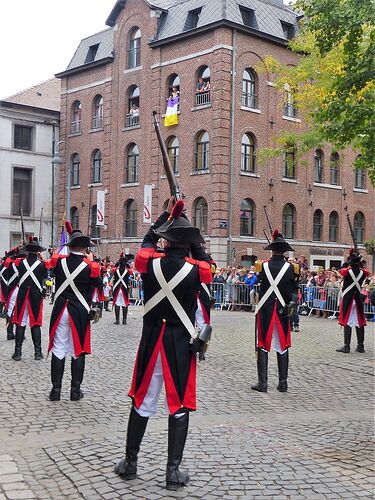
(76, 117)
(290, 109)
(74, 170)
(130, 218)
(317, 225)
(200, 215)
(203, 86)
(202, 151)
(360, 179)
(134, 48)
(132, 116)
(74, 218)
(359, 227)
(132, 164)
(247, 218)
(173, 148)
(97, 117)
(289, 221)
(248, 153)
(97, 166)
(290, 163)
(334, 169)
(249, 97)
(333, 226)
(318, 166)
(95, 230)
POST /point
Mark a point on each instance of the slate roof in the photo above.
(44, 95)
(268, 15)
(105, 41)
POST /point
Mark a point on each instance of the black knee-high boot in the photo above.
(127, 467)
(20, 333)
(360, 338)
(262, 366)
(177, 432)
(57, 373)
(282, 364)
(124, 315)
(347, 336)
(10, 329)
(36, 336)
(117, 315)
(78, 369)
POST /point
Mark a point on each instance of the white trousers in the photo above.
(120, 300)
(12, 301)
(95, 297)
(353, 316)
(149, 406)
(275, 344)
(62, 341)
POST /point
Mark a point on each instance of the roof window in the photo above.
(192, 19)
(91, 53)
(288, 29)
(248, 17)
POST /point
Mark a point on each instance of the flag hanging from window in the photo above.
(171, 116)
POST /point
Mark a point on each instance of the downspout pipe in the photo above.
(231, 149)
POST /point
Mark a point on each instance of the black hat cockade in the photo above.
(354, 257)
(278, 243)
(33, 245)
(20, 253)
(178, 229)
(76, 238)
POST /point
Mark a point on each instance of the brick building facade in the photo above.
(148, 48)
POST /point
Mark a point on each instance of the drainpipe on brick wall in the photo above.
(231, 148)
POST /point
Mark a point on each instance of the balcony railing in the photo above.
(75, 127)
(202, 98)
(249, 100)
(97, 121)
(131, 120)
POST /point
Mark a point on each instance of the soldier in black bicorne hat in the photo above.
(120, 288)
(7, 268)
(277, 284)
(70, 330)
(169, 343)
(351, 306)
(32, 272)
(12, 276)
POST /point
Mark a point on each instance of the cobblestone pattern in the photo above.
(313, 442)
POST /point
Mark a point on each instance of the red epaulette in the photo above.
(94, 268)
(143, 256)
(8, 262)
(205, 274)
(52, 262)
(344, 271)
(18, 261)
(130, 272)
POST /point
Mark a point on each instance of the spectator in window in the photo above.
(201, 86)
(134, 113)
(175, 93)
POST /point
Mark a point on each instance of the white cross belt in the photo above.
(2, 275)
(355, 282)
(70, 277)
(30, 272)
(15, 274)
(120, 279)
(166, 292)
(273, 285)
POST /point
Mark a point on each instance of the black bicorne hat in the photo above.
(278, 243)
(33, 245)
(178, 229)
(354, 257)
(76, 238)
(20, 252)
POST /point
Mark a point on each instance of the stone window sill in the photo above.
(75, 134)
(200, 172)
(286, 179)
(249, 174)
(129, 184)
(291, 119)
(328, 186)
(125, 129)
(130, 70)
(93, 130)
(203, 106)
(360, 190)
(252, 110)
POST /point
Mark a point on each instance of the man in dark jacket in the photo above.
(169, 343)
(277, 285)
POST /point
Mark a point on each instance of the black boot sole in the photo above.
(259, 389)
(76, 397)
(175, 486)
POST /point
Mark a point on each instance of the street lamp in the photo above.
(56, 160)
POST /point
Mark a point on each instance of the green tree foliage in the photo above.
(334, 81)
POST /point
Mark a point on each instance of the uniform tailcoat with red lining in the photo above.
(3, 282)
(125, 289)
(86, 281)
(271, 311)
(12, 277)
(352, 295)
(29, 294)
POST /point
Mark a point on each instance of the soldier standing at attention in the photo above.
(277, 286)
(351, 306)
(120, 288)
(76, 277)
(169, 343)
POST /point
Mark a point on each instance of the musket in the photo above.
(22, 226)
(354, 238)
(266, 235)
(40, 225)
(122, 246)
(268, 219)
(173, 184)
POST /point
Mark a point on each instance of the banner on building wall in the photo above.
(100, 199)
(147, 203)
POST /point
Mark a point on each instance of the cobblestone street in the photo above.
(315, 441)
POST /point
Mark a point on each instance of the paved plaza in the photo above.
(315, 441)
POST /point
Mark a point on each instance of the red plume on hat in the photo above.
(121, 255)
(275, 234)
(178, 208)
(351, 251)
(31, 236)
(68, 227)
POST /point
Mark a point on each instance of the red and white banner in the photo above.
(100, 201)
(147, 203)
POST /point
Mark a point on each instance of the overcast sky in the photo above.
(38, 37)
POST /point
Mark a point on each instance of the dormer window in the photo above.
(192, 19)
(91, 53)
(248, 17)
(288, 30)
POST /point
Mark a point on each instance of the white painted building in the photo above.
(29, 128)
